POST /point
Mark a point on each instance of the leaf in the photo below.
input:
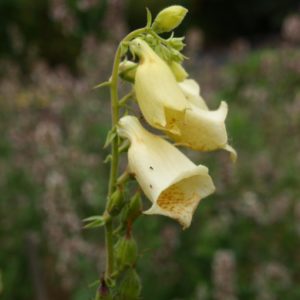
(94, 221)
(110, 137)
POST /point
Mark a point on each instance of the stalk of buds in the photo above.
(170, 102)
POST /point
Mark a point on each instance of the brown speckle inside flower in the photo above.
(179, 201)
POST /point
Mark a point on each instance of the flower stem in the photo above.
(115, 112)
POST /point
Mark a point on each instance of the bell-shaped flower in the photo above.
(177, 108)
(172, 182)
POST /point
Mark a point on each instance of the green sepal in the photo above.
(176, 43)
(133, 210)
(127, 70)
(124, 146)
(124, 48)
(104, 292)
(125, 252)
(102, 84)
(130, 286)
(116, 202)
(111, 135)
(108, 158)
(94, 221)
(149, 18)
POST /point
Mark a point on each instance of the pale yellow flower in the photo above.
(172, 182)
(177, 108)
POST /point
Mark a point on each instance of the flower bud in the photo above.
(116, 202)
(169, 18)
(126, 252)
(178, 70)
(127, 70)
(130, 286)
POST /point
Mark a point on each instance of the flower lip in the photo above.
(180, 199)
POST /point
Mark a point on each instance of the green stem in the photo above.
(114, 152)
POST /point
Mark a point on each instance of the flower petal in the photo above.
(200, 129)
(191, 91)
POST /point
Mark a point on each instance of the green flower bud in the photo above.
(178, 71)
(127, 70)
(126, 252)
(130, 286)
(169, 18)
(116, 202)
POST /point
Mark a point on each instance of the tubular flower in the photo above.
(173, 183)
(156, 87)
(177, 108)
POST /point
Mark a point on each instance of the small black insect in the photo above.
(151, 168)
(151, 186)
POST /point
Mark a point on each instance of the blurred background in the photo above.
(245, 239)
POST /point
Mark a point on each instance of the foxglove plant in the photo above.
(170, 102)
